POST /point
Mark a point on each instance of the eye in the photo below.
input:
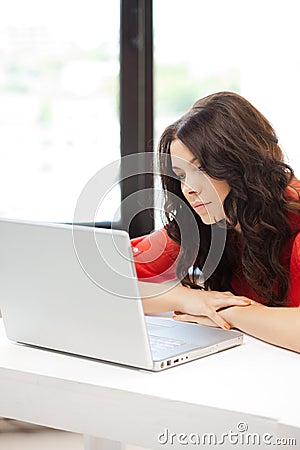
(179, 176)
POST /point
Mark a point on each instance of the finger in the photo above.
(216, 318)
(233, 300)
(194, 319)
(202, 320)
(242, 298)
(228, 294)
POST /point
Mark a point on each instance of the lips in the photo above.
(199, 205)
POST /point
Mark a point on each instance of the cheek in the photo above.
(222, 189)
(193, 183)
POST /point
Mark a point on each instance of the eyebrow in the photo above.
(191, 161)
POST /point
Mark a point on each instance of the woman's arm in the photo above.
(160, 297)
(171, 296)
(279, 326)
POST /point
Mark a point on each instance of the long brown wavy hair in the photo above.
(233, 141)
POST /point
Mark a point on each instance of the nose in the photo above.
(187, 189)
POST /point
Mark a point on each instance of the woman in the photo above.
(222, 168)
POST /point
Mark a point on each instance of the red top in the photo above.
(155, 257)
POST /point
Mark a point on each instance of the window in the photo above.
(59, 104)
(249, 47)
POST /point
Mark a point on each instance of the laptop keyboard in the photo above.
(160, 343)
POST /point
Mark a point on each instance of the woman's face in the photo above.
(205, 194)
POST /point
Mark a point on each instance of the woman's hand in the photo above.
(276, 325)
(201, 320)
(205, 307)
(195, 305)
(227, 314)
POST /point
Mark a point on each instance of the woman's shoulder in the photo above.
(155, 256)
(292, 194)
(293, 190)
(155, 242)
(295, 255)
(294, 293)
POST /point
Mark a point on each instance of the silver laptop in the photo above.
(74, 289)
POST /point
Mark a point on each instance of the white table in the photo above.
(255, 384)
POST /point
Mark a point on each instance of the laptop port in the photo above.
(169, 362)
(176, 361)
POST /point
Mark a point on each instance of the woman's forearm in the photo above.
(161, 297)
(279, 326)
(172, 296)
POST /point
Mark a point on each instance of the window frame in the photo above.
(136, 109)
